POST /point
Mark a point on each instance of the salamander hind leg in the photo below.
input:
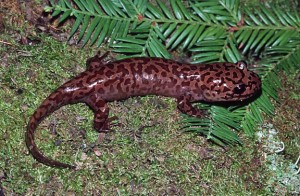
(101, 111)
(185, 106)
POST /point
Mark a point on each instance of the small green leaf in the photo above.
(85, 23)
(79, 4)
(270, 15)
(103, 32)
(48, 9)
(164, 9)
(259, 38)
(190, 36)
(252, 17)
(170, 29)
(182, 36)
(183, 10)
(76, 25)
(96, 7)
(97, 31)
(128, 7)
(176, 34)
(155, 11)
(251, 40)
(159, 48)
(197, 35)
(91, 29)
(56, 12)
(65, 15)
(132, 40)
(176, 10)
(265, 40)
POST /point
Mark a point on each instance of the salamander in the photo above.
(104, 82)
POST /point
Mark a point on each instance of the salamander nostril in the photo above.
(239, 89)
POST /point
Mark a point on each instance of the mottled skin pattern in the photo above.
(105, 82)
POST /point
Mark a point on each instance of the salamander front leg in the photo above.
(96, 61)
(185, 106)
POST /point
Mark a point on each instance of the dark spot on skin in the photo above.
(193, 67)
(144, 89)
(107, 83)
(229, 79)
(203, 87)
(119, 87)
(54, 96)
(101, 91)
(122, 69)
(197, 74)
(218, 66)
(226, 89)
(204, 75)
(219, 73)
(227, 68)
(146, 60)
(235, 75)
(185, 69)
(175, 70)
(165, 60)
(148, 70)
(164, 67)
(210, 80)
(100, 72)
(89, 80)
(110, 66)
(109, 73)
(186, 83)
(164, 74)
(173, 81)
(112, 88)
(218, 91)
(212, 87)
(127, 81)
(127, 60)
(145, 81)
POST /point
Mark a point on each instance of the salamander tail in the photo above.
(52, 103)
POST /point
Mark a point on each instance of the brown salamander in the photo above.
(104, 82)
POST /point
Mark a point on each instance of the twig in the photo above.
(297, 164)
(7, 43)
(280, 149)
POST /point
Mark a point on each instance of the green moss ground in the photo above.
(147, 154)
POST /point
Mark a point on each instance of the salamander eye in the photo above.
(239, 89)
(242, 65)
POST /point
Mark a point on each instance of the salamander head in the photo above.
(233, 82)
